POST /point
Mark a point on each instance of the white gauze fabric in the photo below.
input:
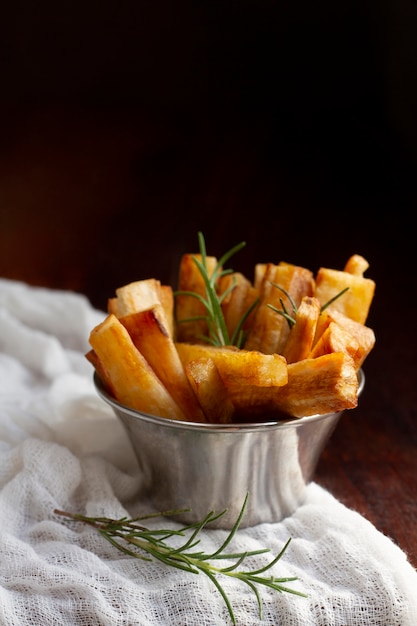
(61, 447)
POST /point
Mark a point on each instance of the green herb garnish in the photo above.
(217, 331)
(131, 537)
(329, 302)
(291, 318)
(283, 311)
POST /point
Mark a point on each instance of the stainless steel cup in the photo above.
(211, 467)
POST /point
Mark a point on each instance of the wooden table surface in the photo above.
(90, 201)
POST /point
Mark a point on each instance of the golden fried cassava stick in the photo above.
(304, 339)
(133, 381)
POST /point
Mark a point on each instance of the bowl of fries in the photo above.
(211, 467)
(230, 386)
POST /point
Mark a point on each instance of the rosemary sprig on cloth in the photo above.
(136, 540)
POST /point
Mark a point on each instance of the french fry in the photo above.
(129, 377)
(357, 265)
(166, 297)
(138, 296)
(152, 355)
(187, 307)
(336, 332)
(326, 384)
(269, 331)
(210, 390)
(259, 273)
(92, 357)
(113, 306)
(239, 367)
(336, 339)
(141, 295)
(149, 333)
(238, 301)
(301, 337)
(355, 303)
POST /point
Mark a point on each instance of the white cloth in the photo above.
(62, 448)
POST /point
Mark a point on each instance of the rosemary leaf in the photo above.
(135, 540)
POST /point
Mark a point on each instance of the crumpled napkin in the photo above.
(62, 448)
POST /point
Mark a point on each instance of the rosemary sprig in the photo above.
(212, 301)
(291, 318)
(329, 302)
(283, 311)
(136, 540)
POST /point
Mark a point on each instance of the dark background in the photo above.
(127, 127)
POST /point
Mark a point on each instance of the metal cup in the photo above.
(211, 467)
